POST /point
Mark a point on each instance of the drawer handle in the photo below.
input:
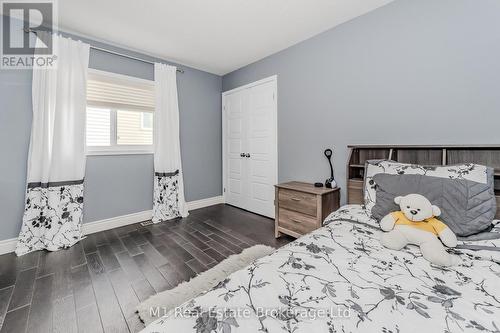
(295, 199)
(295, 221)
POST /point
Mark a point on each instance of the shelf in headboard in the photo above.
(488, 154)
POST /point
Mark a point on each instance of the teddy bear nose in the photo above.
(413, 212)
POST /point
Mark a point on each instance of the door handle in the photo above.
(247, 155)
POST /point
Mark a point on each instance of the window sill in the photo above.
(118, 152)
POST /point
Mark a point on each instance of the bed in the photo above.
(340, 279)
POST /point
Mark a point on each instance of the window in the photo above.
(147, 121)
(120, 114)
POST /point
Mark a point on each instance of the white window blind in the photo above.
(120, 114)
(114, 91)
(98, 127)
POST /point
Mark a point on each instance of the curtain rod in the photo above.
(112, 52)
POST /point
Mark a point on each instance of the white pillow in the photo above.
(469, 171)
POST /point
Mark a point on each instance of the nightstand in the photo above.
(302, 208)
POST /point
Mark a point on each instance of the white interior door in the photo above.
(250, 146)
(261, 145)
(234, 146)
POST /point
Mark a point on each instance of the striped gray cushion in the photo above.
(467, 207)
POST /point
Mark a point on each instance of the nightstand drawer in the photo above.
(296, 222)
(298, 201)
(302, 207)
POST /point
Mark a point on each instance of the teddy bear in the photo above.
(416, 223)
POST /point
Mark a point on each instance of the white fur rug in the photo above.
(169, 299)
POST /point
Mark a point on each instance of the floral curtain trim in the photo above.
(52, 216)
(166, 196)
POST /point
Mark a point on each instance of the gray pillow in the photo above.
(467, 207)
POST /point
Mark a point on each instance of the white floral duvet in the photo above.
(340, 279)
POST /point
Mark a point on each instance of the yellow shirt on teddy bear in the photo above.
(432, 225)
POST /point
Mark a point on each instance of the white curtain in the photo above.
(168, 201)
(56, 162)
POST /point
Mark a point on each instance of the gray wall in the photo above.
(115, 185)
(412, 72)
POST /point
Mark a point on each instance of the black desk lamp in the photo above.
(330, 182)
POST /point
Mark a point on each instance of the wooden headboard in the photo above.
(425, 155)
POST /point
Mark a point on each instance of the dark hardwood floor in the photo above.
(96, 285)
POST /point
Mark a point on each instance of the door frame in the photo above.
(274, 79)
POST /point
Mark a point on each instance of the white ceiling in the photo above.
(217, 36)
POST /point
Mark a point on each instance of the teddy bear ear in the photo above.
(436, 211)
(397, 200)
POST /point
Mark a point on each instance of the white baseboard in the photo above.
(115, 222)
(9, 245)
(197, 204)
(120, 221)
